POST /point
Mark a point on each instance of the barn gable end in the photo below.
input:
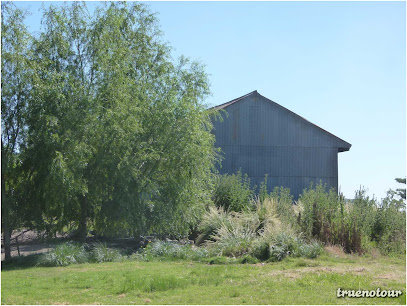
(262, 137)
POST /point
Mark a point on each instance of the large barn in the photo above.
(262, 137)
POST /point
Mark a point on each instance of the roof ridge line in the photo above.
(223, 105)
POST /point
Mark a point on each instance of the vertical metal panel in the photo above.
(261, 138)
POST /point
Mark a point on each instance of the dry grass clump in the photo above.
(261, 232)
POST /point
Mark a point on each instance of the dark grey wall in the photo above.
(260, 136)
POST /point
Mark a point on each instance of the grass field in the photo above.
(292, 281)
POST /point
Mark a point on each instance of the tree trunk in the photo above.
(6, 239)
(82, 222)
(6, 220)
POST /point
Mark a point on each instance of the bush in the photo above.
(73, 253)
(101, 253)
(269, 229)
(247, 259)
(266, 211)
(364, 212)
(310, 250)
(232, 192)
(356, 225)
(284, 204)
(260, 250)
(233, 243)
(390, 225)
(171, 250)
(287, 244)
(235, 236)
(326, 218)
(64, 255)
(211, 221)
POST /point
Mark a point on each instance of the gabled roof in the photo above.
(345, 145)
(224, 105)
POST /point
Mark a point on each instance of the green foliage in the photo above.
(247, 259)
(101, 253)
(16, 75)
(390, 225)
(286, 244)
(73, 253)
(355, 225)
(259, 233)
(64, 255)
(232, 241)
(107, 129)
(284, 204)
(233, 191)
(401, 192)
(320, 209)
(309, 250)
(162, 250)
(364, 210)
(260, 249)
(327, 218)
(213, 219)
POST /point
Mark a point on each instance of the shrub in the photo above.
(364, 212)
(268, 228)
(266, 211)
(310, 250)
(390, 225)
(327, 218)
(284, 204)
(171, 250)
(234, 237)
(101, 253)
(277, 253)
(247, 259)
(232, 192)
(211, 221)
(289, 244)
(233, 243)
(320, 209)
(64, 255)
(260, 249)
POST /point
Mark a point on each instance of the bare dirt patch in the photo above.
(27, 243)
(396, 276)
(335, 250)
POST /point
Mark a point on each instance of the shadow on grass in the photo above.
(20, 262)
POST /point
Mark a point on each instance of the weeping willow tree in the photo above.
(118, 138)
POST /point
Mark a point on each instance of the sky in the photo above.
(340, 65)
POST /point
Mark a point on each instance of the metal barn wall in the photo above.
(261, 137)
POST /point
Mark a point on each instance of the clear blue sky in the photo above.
(341, 65)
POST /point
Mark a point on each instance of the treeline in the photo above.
(250, 225)
(101, 128)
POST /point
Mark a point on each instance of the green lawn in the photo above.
(293, 281)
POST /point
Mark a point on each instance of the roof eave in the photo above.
(344, 149)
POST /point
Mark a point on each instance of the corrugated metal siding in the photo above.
(261, 138)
